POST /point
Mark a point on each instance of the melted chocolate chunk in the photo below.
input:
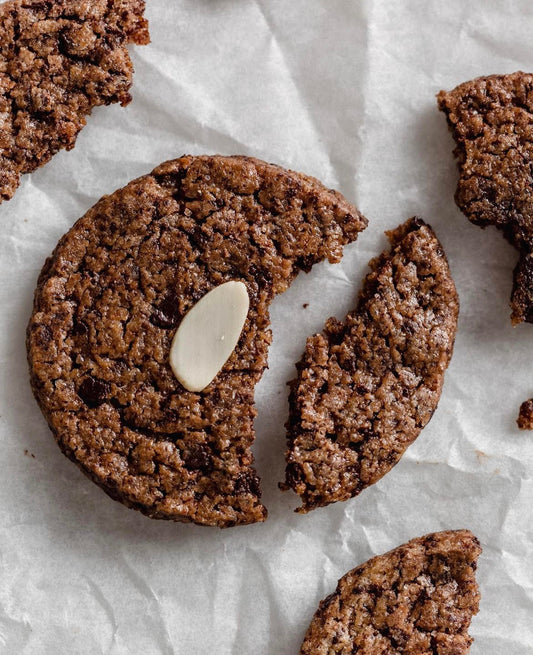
(248, 483)
(167, 314)
(198, 457)
(93, 392)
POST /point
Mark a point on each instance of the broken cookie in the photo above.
(117, 288)
(491, 119)
(368, 385)
(58, 60)
(418, 598)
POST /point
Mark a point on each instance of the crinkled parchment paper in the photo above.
(343, 90)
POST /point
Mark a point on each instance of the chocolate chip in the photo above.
(416, 223)
(93, 392)
(198, 238)
(260, 275)
(248, 483)
(328, 600)
(80, 328)
(167, 313)
(349, 364)
(43, 336)
(198, 457)
(305, 262)
(293, 474)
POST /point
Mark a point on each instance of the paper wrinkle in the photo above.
(99, 596)
(160, 631)
(300, 96)
(345, 92)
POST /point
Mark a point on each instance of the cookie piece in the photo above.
(107, 306)
(58, 60)
(418, 598)
(368, 385)
(491, 119)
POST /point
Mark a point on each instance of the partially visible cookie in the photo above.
(491, 119)
(368, 385)
(419, 598)
(58, 60)
(113, 293)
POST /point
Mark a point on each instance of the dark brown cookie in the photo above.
(58, 60)
(418, 598)
(108, 303)
(368, 385)
(491, 119)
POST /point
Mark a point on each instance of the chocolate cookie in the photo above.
(491, 119)
(107, 306)
(368, 385)
(418, 598)
(58, 60)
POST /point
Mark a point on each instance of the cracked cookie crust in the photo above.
(58, 60)
(418, 598)
(109, 301)
(491, 119)
(368, 385)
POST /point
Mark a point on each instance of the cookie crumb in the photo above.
(481, 456)
(525, 415)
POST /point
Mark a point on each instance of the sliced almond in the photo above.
(208, 335)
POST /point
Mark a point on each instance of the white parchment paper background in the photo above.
(343, 90)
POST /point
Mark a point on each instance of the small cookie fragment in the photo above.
(368, 385)
(58, 60)
(418, 598)
(525, 415)
(111, 297)
(491, 119)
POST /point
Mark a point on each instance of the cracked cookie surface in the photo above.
(491, 119)
(417, 599)
(58, 60)
(111, 297)
(368, 385)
